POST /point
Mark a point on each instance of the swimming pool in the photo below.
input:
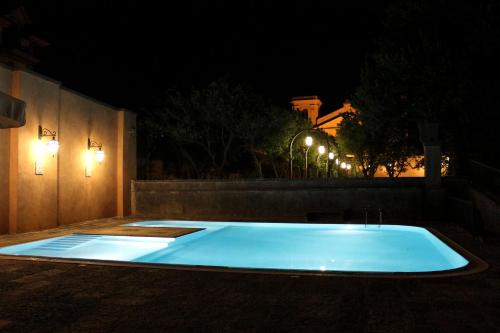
(277, 246)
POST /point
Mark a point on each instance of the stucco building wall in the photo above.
(127, 139)
(5, 81)
(4, 181)
(65, 193)
(36, 195)
(81, 119)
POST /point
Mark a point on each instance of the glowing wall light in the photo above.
(98, 156)
(331, 156)
(99, 153)
(53, 144)
(89, 162)
(309, 141)
(321, 150)
(53, 147)
(343, 165)
(40, 150)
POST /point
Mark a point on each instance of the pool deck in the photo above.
(61, 297)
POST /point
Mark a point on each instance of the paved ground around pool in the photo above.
(54, 297)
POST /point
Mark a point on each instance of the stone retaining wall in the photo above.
(405, 199)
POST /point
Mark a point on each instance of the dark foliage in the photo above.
(436, 61)
(218, 131)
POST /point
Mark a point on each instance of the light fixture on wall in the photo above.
(40, 149)
(53, 144)
(99, 153)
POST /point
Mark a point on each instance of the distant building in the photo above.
(330, 123)
(312, 104)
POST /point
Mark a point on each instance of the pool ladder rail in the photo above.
(365, 210)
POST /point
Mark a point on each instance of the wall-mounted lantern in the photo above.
(41, 149)
(53, 144)
(89, 157)
(99, 153)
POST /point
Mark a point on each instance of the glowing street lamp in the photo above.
(309, 142)
(343, 165)
(348, 167)
(330, 157)
(321, 151)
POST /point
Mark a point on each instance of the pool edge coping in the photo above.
(475, 265)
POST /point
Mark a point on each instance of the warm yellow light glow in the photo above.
(39, 153)
(321, 150)
(99, 155)
(348, 166)
(343, 165)
(89, 158)
(309, 141)
(39, 150)
(52, 147)
(337, 161)
(331, 156)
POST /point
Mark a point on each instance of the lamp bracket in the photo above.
(45, 132)
(92, 144)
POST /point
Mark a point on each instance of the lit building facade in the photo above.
(330, 123)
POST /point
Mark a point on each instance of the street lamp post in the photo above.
(309, 142)
(314, 129)
(291, 148)
(330, 157)
(321, 151)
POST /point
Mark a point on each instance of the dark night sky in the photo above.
(123, 52)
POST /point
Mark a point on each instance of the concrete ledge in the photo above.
(272, 184)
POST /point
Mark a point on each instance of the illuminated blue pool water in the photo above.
(284, 246)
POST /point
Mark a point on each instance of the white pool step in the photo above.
(67, 242)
